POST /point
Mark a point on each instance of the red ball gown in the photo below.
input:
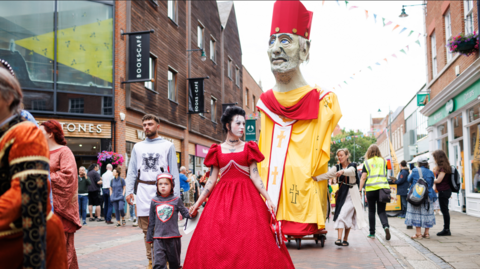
(234, 230)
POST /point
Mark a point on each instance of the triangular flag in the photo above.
(394, 55)
(339, 85)
(411, 32)
(345, 82)
(323, 2)
(402, 50)
(375, 17)
(396, 26)
(366, 14)
(370, 68)
(383, 19)
(377, 63)
(419, 35)
(404, 28)
(388, 23)
(385, 60)
(338, 3)
(353, 7)
(351, 77)
(346, 3)
(408, 48)
(334, 88)
(418, 42)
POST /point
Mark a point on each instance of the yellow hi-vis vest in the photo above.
(377, 174)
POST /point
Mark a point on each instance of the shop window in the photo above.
(474, 113)
(38, 100)
(448, 32)
(152, 66)
(128, 151)
(172, 83)
(84, 47)
(457, 124)
(433, 48)
(422, 124)
(84, 146)
(107, 105)
(200, 30)
(474, 132)
(172, 10)
(76, 105)
(468, 10)
(213, 107)
(191, 163)
(442, 129)
(212, 50)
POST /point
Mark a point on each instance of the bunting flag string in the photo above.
(347, 138)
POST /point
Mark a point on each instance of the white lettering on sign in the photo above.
(468, 95)
(139, 56)
(79, 127)
(196, 101)
(69, 127)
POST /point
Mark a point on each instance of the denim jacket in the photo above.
(429, 178)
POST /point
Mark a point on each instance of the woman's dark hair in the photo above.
(228, 115)
(442, 161)
(92, 166)
(403, 163)
(118, 170)
(424, 165)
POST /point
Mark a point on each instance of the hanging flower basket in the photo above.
(463, 44)
(106, 157)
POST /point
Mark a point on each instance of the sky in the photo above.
(344, 43)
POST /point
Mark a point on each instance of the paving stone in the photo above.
(422, 264)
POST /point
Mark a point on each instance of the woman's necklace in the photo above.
(232, 145)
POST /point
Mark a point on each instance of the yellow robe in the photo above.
(308, 155)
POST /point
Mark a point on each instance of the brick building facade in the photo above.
(454, 86)
(251, 94)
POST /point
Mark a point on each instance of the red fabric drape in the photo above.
(305, 109)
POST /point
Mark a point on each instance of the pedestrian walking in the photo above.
(83, 183)
(184, 183)
(196, 188)
(107, 202)
(150, 156)
(348, 213)
(163, 224)
(443, 188)
(94, 197)
(63, 172)
(421, 216)
(32, 235)
(402, 186)
(117, 196)
(374, 177)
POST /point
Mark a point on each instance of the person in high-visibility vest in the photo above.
(374, 174)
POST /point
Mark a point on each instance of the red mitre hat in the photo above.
(291, 17)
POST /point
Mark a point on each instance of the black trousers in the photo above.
(373, 201)
(166, 250)
(443, 197)
(403, 199)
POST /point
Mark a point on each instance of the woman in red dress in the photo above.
(234, 230)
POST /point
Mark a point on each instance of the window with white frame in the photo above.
(448, 32)
(172, 81)
(433, 47)
(200, 36)
(172, 10)
(150, 84)
(76, 105)
(212, 50)
(213, 109)
(229, 67)
(237, 76)
(468, 10)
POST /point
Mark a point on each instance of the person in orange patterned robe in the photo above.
(31, 235)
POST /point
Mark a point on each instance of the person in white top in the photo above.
(107, 204)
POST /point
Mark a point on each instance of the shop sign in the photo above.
(139, 56)
(196, 101)
(422, 99)
(450, 106)
(73, 127)
(250, 130)
(201, 151)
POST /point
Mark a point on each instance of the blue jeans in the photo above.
(132, 211)
(119, 210)
(107, 205)
(82, 206)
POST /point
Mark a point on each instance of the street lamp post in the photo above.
(404, 14)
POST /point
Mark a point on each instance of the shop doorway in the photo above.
(459, 199)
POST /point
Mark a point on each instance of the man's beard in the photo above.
(150, 134)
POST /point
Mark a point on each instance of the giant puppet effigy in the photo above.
(297, 122)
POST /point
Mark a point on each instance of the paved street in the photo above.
(102, 246)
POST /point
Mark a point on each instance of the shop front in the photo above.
(455, 127)
(85, 138)
(197, 154)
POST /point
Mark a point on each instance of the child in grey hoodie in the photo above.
(163, 224)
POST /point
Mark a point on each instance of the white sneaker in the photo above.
(135, 224)
(130, 219)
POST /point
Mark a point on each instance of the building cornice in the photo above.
(460, 83)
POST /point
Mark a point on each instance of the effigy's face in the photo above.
(284, 52)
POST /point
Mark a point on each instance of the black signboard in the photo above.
(196, 102)
(138, 56)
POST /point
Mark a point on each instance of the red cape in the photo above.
(305, 109)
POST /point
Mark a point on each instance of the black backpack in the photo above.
(454, 182)
(418, 193)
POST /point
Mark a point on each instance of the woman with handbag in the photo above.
(421, 216)
(374, 178)
(348, 212)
